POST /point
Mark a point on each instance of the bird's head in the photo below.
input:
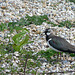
(48, 31)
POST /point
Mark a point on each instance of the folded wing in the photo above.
(62, 45)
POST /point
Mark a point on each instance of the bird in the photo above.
(58, 43)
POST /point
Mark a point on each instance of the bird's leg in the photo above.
(60, 55)
(57, 56)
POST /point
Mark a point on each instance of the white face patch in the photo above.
(48, 33)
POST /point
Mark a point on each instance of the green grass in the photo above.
(72, 1)
(65, 23)
(17, 45)
(37, 20)
(48, 53)
(72, 54)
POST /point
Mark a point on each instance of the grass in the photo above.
(37, 20)
(17, 45)
(72, 1)
(48, 54)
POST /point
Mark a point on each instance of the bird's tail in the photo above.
(72, 49)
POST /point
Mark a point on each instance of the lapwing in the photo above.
(58, 43)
